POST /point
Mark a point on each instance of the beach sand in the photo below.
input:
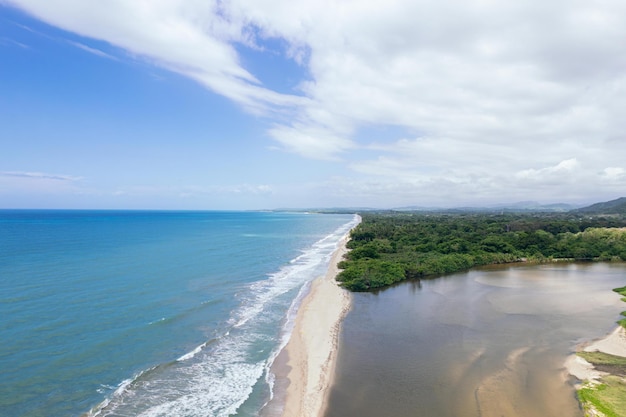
(614, 344)
(312, 349)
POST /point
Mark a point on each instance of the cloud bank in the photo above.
(493, 99)
(37, 176)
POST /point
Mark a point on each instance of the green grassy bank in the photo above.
(608, 396)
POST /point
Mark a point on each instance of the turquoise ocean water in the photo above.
(131, 313)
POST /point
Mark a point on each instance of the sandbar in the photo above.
(312, 349)
(614, 344)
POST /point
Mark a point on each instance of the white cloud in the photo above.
(11, 42)
(614, 174)
(36, 176)
(194, 38)
(563, 168)
(497, 92)
(19, 185)
(188, 191)
(93, 51)
(310, 141)
(243, 189)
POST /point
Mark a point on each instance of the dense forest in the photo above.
(390, 247)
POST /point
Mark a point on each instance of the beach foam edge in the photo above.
(312, 349)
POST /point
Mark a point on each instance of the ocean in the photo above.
(151, 313)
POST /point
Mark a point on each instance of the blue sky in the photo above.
(189, 104)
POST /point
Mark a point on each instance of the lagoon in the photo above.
(488, 342)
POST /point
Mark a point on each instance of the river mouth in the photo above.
(489, 342)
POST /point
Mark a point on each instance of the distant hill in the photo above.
(519, 207)
(617, 206)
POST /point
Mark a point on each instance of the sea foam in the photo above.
(217, 378)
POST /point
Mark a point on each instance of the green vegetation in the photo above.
(605, 362)
(617, 206)
(609, 397)
(622, 291)
(390, 247)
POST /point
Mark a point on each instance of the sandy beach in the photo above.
(312, 349)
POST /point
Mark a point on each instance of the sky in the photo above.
(263, 104)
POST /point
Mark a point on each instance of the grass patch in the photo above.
(604, 362)
(609, 397)
(620, 291)
(601, 358)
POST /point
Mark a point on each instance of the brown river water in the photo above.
(487, 343)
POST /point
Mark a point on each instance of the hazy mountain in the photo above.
(617, 206)
(522, 206)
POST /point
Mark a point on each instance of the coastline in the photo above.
(307, 363)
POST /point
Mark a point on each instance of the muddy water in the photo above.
(485, 343)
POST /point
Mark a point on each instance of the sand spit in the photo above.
(592, 399)
(614, 344)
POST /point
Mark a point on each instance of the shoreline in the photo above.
(305, 368)
(613, 343)
(589, 377)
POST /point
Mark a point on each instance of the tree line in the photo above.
(386, 248)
